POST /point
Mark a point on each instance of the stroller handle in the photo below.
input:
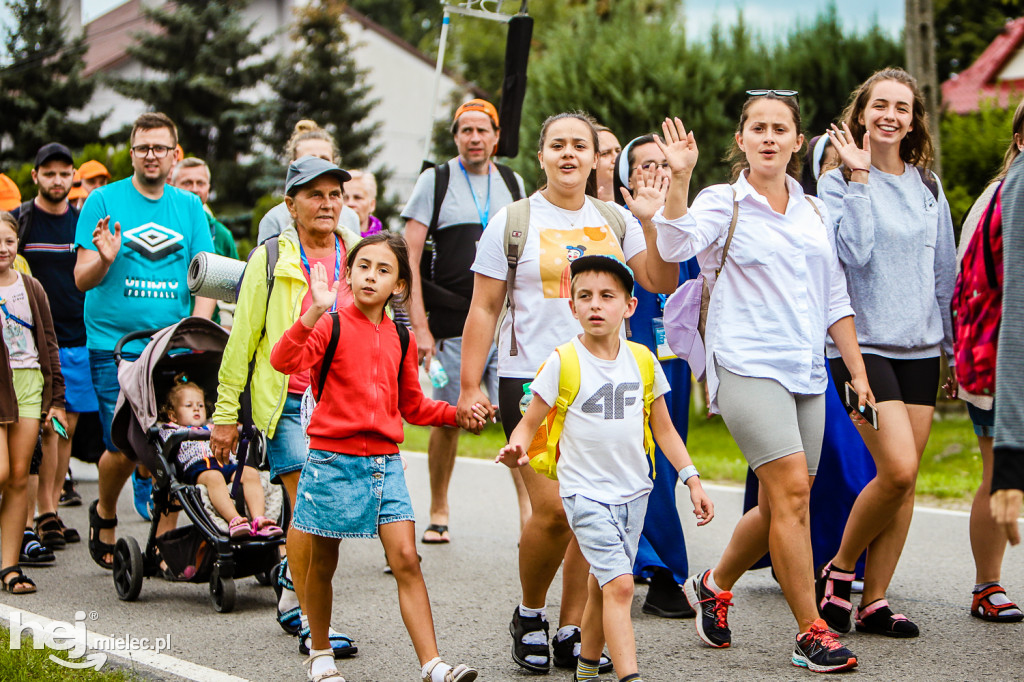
(128, 338)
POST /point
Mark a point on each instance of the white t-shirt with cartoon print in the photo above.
(601, 448)
(15, 314)
(556, 238)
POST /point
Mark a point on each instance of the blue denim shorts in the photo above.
(609, 534)
(984, 421)
(449, 353)
(348, 496)
(286, 451)
(79, 395)
(104, 381)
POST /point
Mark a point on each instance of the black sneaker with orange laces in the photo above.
(712, 610)
(819, 651)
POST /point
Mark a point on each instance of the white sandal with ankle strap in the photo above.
(460, 673)
(329, 675)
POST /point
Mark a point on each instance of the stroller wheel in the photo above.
(264, 577)
(127, 569)
(222, 591)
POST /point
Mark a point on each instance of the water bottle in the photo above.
(524, 402)
(438, 377)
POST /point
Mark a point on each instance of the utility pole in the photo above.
(920, 51)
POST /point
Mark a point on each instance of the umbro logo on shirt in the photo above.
(153, 241)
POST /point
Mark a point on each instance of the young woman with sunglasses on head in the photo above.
(779, 291)
(895, 237)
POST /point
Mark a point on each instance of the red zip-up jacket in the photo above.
(365, 397)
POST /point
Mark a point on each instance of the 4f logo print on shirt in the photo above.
(611, 400)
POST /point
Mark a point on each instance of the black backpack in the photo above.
(332, 347)
(447, 308)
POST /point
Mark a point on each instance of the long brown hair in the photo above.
(589, 121)
(916, 147)
(738, 158)
(1013, 151)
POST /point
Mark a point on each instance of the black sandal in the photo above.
(10, 586)
(51, 535)
(98, 550)
(70, 534)
(440, 530)
(33, 553)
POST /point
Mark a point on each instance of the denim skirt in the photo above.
(349, 496)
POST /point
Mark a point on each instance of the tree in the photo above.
(207, 63)
(43, 83)
(320, 81)
(415, 21)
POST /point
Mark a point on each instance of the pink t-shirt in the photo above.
(298, 383)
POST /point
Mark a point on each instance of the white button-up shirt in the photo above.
(781, 289)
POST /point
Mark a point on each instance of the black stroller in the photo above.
(201, 551)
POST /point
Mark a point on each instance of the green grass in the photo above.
(950, 468)
(34, 665)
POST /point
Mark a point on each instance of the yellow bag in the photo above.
(543, 448)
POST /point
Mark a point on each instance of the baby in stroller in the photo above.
(185, 407)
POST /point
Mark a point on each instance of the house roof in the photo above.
(980, 81)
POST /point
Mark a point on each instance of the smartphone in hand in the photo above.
(59, 428)
(869, 413)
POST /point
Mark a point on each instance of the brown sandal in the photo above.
(48, 528)
(11, 586)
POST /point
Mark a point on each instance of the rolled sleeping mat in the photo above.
(213, 276)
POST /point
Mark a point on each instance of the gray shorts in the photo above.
(768, 422)
(609, 534)
(449, 352)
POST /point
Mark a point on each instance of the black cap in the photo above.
(51, 151)
(604, 263)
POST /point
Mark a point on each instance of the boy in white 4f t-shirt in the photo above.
(603, 467)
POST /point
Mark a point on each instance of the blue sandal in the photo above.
(341, 644)
(290, 620)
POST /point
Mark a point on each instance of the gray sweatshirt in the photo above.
(1008, 471)
(896, 243)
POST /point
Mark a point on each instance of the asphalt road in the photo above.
(473, 584)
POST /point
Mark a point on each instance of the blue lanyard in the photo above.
(661, 302)
(485, 213)
(337, 264)
(12, 316)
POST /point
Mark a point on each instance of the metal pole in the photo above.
(438, 72)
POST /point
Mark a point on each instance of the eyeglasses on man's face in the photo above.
(143, 150)
(652, 165)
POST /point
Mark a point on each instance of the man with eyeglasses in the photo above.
(135, 239)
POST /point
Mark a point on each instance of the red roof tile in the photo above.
(963, 93)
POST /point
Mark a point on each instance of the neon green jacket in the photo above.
(269, 387)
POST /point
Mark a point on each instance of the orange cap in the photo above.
(91, 169)
(179, 153)
(481, 105)
(10, 195)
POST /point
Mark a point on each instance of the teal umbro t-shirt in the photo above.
(145, 287)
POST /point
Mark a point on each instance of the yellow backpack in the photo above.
(543, 449)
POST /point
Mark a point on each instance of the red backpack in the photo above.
(977, 304)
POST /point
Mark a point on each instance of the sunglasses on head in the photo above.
(776, 93)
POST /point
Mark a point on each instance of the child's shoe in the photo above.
(566, 652)
(32, 552)
(262, 527)
(819, 651)
(341, 644)
(712, 610)
(290, 619)
(990, 603)
(69, 497)
(320, 667)
(439, 671)
(832, 590)
(878, 619)
(239, 528)
(142, 489)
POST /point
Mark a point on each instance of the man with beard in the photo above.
(46, 227)
(135, 239)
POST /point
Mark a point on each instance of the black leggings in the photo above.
(510, 392)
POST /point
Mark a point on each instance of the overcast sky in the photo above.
(767, 17)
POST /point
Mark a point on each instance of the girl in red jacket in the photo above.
(353, 485)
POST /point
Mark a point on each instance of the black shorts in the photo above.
(913, 382)
(510, 392)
